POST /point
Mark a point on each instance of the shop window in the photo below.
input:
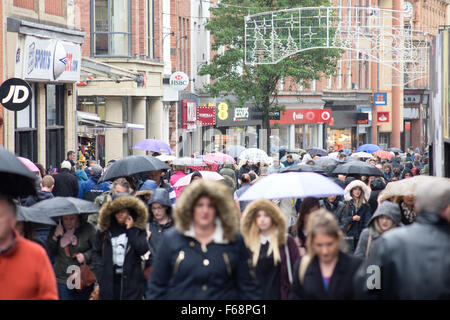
(111, 27)
(384, 140)
(25, 130)
(54, 99)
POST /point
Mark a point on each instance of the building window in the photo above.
(111, 27)
(25, 130)
(54, 99)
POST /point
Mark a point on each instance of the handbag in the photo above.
(87, 277)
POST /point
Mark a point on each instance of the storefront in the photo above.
(50, 63)
(415, 113)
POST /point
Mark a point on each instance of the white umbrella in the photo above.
(292, 185)
(362, 155)
(187, 161)
(255, 155)
(165, 157)
(206, 175)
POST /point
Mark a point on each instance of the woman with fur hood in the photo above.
(386, 217)
(274, 252)
(357, 210)
(204, 257)
(120, 244)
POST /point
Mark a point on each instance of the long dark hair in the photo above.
(305, 208)
(196, 174)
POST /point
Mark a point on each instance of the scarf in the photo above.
(409, 214)
(69, 237)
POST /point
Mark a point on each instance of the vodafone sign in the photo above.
(292, 116)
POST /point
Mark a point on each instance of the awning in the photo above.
(93, 121)
(94, 70)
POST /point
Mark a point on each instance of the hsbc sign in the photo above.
(179, 81)
(293, 116)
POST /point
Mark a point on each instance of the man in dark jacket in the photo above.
(249, 167)
(66, 184)
(412, 262)
(376, 185)
(72, 158)
(43, 193)
(91, 189)
(157, 177)
(335, 205)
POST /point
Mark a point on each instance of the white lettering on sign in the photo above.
(240, 113)
(14, 92)
(297, 116)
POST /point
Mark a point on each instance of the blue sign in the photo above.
(380, 99)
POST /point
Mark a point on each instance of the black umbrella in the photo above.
(358, 167)
(29, 214)
(131, 165)
(317, 152)
(15, 179)
(325, 161)
(303, 168)
(61, 206)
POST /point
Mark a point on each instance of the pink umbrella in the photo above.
(218, 158)
(29, 164)
(206, 175)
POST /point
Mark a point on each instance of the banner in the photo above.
(294, 116)
(188, 115)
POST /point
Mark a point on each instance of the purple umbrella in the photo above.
(153, 145)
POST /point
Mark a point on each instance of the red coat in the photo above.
(26, 273)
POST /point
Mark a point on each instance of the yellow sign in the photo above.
(223, 111)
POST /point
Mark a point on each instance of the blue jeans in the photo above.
(65, 293)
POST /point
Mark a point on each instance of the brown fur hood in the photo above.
(278, 219)
(220, 197)
(129, 202)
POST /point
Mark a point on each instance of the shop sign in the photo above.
(227, 116)
(189, 115)
(383, 117)
(362, 118)
(241, 114)
(15, 94)
(206, 115)
(294, 116)
(380, 99)
(179, 80)
(51, 60)
(411, 98)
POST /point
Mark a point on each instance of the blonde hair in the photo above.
(320, 222)
(251, 232)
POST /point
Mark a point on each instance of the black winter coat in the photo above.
(354, 228)
(183, 270)
(341, 282)
(66, 184)
(414, 262)
(132, 276)
(40, 196)
(157, 231)
(337, 208)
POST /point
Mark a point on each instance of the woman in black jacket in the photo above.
(120, 249)
(203, 257)
(325, 272)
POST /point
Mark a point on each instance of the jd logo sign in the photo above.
(15, 94)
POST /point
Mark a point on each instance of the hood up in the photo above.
(354, 184)
(389, 209)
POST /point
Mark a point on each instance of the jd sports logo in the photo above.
(15, 94)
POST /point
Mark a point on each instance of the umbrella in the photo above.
(303, 168)
(234, 150)
(395, 150)
(29, 214)
(358, 167)
(61, 206)
(324, 161)
(407, 187)
(206, 175)
(362, 155)
(218, 158)
(16, 179)
(153, 145)
(29, 164)
(334, 155)
(187, 161)
(317, 152)
(346, 151)
(131, 165)
(369, 148)
(166, 157)
(295, 156)
(255, 155)
(383, 154)
(292, 185)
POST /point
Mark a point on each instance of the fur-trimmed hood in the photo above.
(124, 202)
(278, 219)
(354, 184)
(221, 198)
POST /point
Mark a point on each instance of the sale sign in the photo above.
(206, 115)
(293, 116)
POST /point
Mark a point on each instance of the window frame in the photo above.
(109, 33)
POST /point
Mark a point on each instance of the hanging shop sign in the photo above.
(383, 117)
(189, 115)
(206, 115)
(51, 60)
(15, 94)
(179, 80)
(294, 116)
(227, 116)
(380, 99)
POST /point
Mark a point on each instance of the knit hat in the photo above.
(66, 165)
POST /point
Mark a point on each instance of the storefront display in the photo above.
(339, 138)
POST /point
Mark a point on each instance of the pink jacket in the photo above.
(174, 178)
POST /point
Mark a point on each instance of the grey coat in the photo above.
(386, 208)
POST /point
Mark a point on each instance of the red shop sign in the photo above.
(292, 116)
(188, 114)
(383, 117)
(206, 115)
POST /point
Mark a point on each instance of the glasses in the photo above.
(157, 208)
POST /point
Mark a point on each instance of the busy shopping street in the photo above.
(223, 151)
